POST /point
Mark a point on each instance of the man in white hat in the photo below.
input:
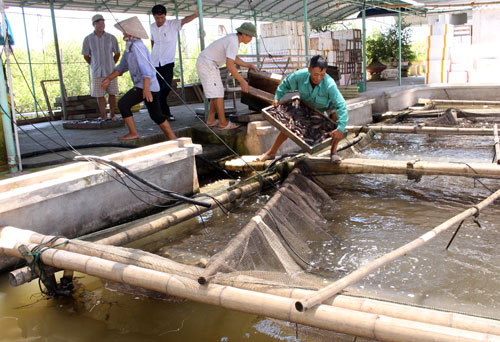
(137, 60)
(100, 50)
(164, 42)
(223, 51)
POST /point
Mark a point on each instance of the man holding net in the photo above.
(319, 90)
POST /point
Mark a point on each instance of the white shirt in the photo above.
(165, 42)
(225, 47)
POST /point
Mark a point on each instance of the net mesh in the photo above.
(273, 248)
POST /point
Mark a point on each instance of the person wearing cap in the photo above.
(100, 50)
(319, 90)
(164, 42)
(137, 60)
(223, 51)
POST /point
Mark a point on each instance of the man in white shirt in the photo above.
(223, 51)
(164, 42)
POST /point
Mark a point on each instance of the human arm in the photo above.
(244, 64)
(288, 84)
(191, 17)
(109, 78)
(116, 57)
(146, 93)
(87, 58)
(340, 106)
(232, 69)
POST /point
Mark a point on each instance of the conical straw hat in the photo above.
(132, 26)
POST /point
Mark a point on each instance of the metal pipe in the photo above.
(179, 46)
(399, 42)
(7, 117)
(59, 63)
(306, 34)
(364, 45)
(256, 38)
(7, 49)
(202, 45)
(29, 62)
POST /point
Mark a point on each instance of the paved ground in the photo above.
(42, 136)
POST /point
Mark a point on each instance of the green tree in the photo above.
(384, 46)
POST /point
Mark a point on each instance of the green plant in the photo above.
(384, 46)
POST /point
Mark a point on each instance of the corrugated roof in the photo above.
(324, 11)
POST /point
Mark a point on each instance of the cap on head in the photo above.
(133, 27)
(248, 29)
(96, 18)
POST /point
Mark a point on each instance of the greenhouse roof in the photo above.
(319, 11)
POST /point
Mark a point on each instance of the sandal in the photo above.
(230, 125)
(213, 124)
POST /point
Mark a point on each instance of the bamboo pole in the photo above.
(377, 166)
(334, 288)
(129, 232)
(421, 130)
(459, 102)
(497, 145)
(124, 255)
(391, 309)
(346, 321)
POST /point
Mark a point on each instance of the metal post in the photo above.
(10, 146)
(306, 34)
(58, 58)
(399, 39)
(364, 46)
(232, 30)
(12, 123)
(256, 39)
(202, 45)
(179, 46)
(29, 62)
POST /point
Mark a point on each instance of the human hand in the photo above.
(146, 94)
(276, 103)
(336, 135)
(105, 83)
(253, 67)
(244, 86)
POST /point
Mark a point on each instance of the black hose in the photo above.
(134, 176)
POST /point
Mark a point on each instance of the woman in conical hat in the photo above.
(137, 60)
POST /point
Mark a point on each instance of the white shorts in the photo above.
(210, 79)
(97, 91)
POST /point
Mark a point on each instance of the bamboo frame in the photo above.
(380, 327)
(421, 130)
(129, 232)
(459, 102)
(334, 288)
(413, 168)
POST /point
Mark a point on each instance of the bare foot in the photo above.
(129, 137)
(266, 156)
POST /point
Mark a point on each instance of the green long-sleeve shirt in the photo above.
(322, 97)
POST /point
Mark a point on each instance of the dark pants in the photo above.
(167, 73)
(133, 97)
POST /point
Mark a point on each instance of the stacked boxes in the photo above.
(287, 38)
(450, 58)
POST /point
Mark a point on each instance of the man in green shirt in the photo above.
(320, 91)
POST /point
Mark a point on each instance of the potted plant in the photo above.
(384, 47)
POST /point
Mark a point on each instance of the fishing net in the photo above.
(274, 247)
